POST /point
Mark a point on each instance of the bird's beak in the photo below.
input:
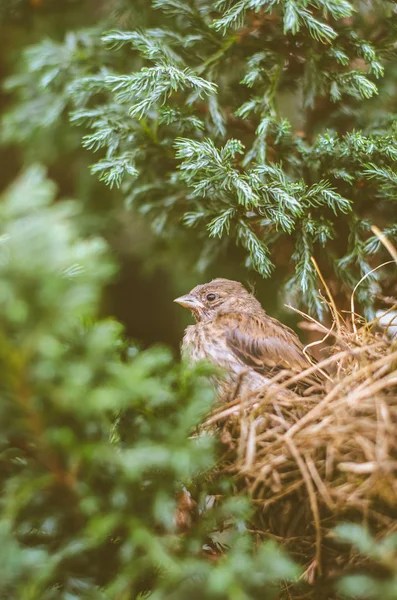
(189, 302)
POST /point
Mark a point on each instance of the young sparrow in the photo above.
(233, 331)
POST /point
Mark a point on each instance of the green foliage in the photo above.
(262, 125)
(44, 95)
(97, 439)
(382, 552)
(187, 117)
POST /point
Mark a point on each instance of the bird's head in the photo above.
(219, 295)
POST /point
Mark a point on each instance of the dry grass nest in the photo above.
(310, 462)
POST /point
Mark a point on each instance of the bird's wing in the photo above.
(263, 343)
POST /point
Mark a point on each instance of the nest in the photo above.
(310, 462)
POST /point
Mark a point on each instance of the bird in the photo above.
(234, 332)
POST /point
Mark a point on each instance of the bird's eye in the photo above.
(211, 297)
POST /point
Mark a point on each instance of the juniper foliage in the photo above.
(257, 122)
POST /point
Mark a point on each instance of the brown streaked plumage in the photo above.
(233, 331)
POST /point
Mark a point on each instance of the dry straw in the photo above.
(311, 462)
